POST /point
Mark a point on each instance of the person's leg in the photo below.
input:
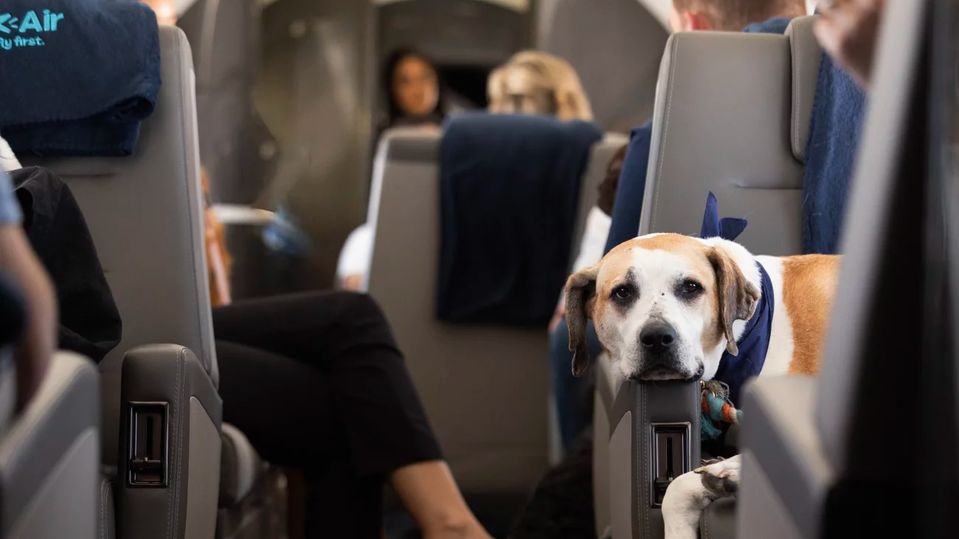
(429, 492)
(573, 395)
(346, 337)
(285, 408)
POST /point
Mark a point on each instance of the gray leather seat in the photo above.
(811, 467)
(145, 216)
(615, 47)
(484, 388)
(49, 453)
(732, 115)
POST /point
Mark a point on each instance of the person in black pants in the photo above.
(316, 382)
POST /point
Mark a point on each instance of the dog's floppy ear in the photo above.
(580, 289)
(737, 296)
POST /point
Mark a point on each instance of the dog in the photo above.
(674, 307)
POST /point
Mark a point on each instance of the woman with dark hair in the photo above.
(413, 90)
(414, 98)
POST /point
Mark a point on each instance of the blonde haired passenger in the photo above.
(535, 82)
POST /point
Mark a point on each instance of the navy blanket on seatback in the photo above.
(509, 197)
(78, 75)
(834, 128)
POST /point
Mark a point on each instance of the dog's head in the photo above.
(663, 305)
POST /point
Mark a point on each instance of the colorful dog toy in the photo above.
(717, 410)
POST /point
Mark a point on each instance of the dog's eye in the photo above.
(623, 292)
(690, 287)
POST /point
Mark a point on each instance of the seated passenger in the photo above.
(413, 98)
(531, 82)
(535, 82)
(19, 265)
(413, 91)
(314, 380)
(688, 15)
(572, 394)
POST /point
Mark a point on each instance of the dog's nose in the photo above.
(657, 337)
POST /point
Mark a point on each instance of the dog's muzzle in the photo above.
(659, 344)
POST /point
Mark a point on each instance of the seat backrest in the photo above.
(146, 217)
(733, 120)
(484, 388)
(612, 40)
(145, 214)
(49, 456)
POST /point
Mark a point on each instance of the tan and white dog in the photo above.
(667, 306)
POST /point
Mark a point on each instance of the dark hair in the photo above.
(386, 81)
(607, 189)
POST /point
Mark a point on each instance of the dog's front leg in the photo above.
(689, 494)
(683, 505)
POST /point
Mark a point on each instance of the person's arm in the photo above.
(18, 261)
(847, 30)
(218, 261)
(631, 188)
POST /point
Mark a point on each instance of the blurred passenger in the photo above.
(414, 98)
(573, 397)
(20, 267)
(762, 16)
(530, 82)
(413, 91)
(317, 383)
(534, 82)
(218, 258)
(848, 32)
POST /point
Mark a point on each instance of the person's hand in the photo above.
(847, 30)
(352, 282)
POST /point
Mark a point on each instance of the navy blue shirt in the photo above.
(632, 179)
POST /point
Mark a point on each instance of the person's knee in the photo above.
(361, 314)
(355, 305)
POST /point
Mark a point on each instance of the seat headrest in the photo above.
(410, 144)
(806, 55)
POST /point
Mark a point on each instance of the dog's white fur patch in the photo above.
(780, 351)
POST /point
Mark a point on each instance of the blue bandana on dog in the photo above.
(753, 343)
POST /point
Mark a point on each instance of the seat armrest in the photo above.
(785, 473)
(654, 437)
(49, 457)
(169, 469)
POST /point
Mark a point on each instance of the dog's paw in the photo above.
(721, 478)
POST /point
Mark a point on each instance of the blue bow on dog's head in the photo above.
(728, 228)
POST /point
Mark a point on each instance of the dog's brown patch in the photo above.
(809, 285)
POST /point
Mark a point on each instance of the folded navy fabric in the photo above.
(509, 197)
(78, 75)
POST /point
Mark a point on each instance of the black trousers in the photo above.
(317, 383)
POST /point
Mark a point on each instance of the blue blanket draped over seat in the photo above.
(509, 196)
(78, 76)
(835, 125)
